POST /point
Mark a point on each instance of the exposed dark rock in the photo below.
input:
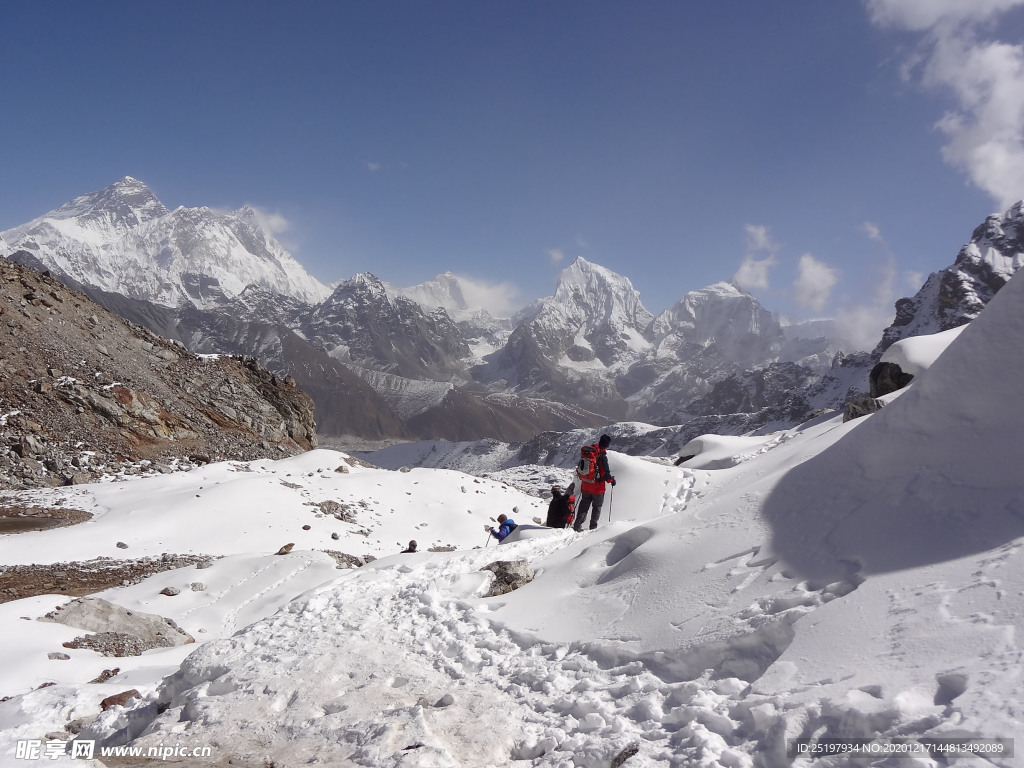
(508, 576)
(862, 405)
(886, 378)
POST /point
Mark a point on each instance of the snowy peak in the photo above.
(124, 204)
(122, 239)
(444, 291)
(600, 296)
(722, 314)
(362, 323)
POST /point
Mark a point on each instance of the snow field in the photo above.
(860, 579)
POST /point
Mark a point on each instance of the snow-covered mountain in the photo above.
(122, 239)
(724, 316)
(423, 361)
(949, 298)
(362, 323)
(956, 295)
(832, 582)
(483, 332)
(708, 335)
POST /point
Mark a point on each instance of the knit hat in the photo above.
(604, 441)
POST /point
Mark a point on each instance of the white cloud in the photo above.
(861, 326)
(557, 255)
(499, 299)
(759, 239)
(814, 283)
(372, 167)
(753, 273)
(921, 15)
(873, 231)
(985, 77)
(275, 224)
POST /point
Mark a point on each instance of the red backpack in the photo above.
(586, 467)
(570, 507)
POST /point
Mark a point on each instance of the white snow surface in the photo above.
(863, 579)
(917, 353)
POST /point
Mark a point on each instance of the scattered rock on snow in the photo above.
(119, 699)
(105, 675)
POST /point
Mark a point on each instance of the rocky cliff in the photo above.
(84, 392)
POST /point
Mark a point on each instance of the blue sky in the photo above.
(829, 154)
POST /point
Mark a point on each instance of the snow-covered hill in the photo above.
(836, 580)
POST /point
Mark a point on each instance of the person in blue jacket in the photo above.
(505, 526)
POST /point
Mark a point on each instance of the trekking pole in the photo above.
(611, 499)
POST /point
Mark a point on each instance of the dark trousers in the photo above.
(586, 499)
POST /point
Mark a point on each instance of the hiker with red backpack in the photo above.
(593, 472)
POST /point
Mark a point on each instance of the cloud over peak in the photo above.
(984, 77)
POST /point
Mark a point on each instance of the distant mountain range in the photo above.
(419, 362)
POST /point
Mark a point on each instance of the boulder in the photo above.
(101, 616)
(886, 378)
(508, 575)
(861, 405)
(119, 699)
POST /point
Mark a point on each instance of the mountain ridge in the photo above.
(422, 362)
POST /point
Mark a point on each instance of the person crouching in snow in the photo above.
(560, 508)
(505, 526)
(410, 548)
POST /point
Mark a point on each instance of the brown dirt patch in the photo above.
(85, 577)
(17, 518)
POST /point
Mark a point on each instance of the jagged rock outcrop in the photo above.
(83, 391)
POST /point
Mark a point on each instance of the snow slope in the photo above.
(835, 580)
